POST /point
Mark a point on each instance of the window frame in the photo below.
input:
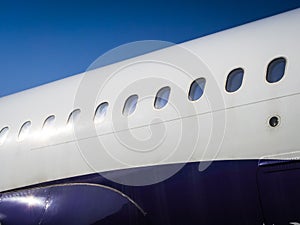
(160, 97)
(270, 64)
(3, 134)
(127, 111)
(230, 74)
(47, 122)
(191, 88)
(24, 130)
(73, 117)
(100, 118)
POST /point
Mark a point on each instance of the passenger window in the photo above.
(130, 105)
(74, 117)
(100, 112)
(197, 89)
(234, 80)
(49, 122)
(276, 70)
(3, 134)
(24, 131)
(162, 97)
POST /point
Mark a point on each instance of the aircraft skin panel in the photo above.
(231, 192)
(229, 157)
(74, 158)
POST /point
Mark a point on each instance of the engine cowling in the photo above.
(77, 204)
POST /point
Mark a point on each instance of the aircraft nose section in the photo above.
(69, 204)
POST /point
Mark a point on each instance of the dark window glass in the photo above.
(162, 97)
(197, 89)
(276, 70)
(130, 105)
(234, 80)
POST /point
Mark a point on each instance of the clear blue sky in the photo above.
(42, 41)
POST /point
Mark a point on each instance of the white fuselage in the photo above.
(218, 126)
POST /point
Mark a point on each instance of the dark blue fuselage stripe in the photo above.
(227, 192)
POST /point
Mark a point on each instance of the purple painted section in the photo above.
(279, 183)
(68, 204)
(248, 192)
(23, 207)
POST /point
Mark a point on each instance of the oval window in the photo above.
(234, 80)
(130, 105)
(49, 122)
(276, 69)
(162, 97)
(3, 134)
(24, 131)
(197, 89)
(100, 112)
(74, 117)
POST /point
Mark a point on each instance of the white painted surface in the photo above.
(189, 130)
